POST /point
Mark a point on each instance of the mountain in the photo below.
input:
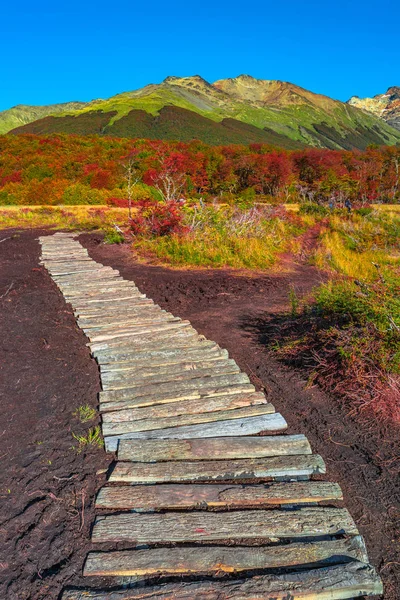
(238, 110)
(22, 114)
(386, 106)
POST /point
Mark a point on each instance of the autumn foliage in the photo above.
(68, 169)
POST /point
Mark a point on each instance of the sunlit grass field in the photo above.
(83, 218)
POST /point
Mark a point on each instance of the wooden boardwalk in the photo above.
(199, 504)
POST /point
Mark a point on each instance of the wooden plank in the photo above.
(110, 323)
(116, 427)
(140, 330)
(190, 527)
(232, 427)
(147, 339)
(127, 323)
(213, 448)
(122, 297)
(226, 394)
(140, 371)
(163, 351)
(336, 582)
(206, 383)
(88, 311)
(183, 407)
(164, 359)
(251, 469)
(211, 560)
(223, 496)
(177, 373)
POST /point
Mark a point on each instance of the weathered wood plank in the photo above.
(110, 309)
(183, 527)
(162, 375)
(206, 383)
(338, 582)
(213, 495)
(110, 324)
(140, 330)
(211, 560)
(164, 359)
(184, 407)
(163, 351)
(116, 427)
(251, 469)
(213, 449)
(140, 371)
(232, 427)
(151, 339)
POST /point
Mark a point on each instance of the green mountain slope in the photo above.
(23, 114)
(238, 110)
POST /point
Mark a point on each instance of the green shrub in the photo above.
(113, 237)
(311, 208)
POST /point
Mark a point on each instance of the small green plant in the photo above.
(113, 237)
(312, 208)
(92, 438)
(85, 413)
(294, 301)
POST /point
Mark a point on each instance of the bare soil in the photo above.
(47, 488)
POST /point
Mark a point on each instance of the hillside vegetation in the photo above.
(188, 108)
(62, 169)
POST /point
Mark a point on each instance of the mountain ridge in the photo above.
(386, 106)
(282, 112)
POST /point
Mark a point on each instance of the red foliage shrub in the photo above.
(117, 202)
(157, 218)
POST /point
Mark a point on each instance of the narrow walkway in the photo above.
(197, 493)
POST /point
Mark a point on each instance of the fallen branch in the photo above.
(9, 287)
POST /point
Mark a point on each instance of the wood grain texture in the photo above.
(239, 393)
(185, 408)
(163, 351)
(251, 469)
(164, 358)
(232, 427)
(148, 424)
(214, 495)
(212, 448)
(268, 525)
(162, 375)
(340, 582)
(206, 383)
(209, 560)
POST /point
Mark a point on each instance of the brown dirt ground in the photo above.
(46, 373)
(46, 487)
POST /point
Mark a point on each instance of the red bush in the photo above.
(157, 218)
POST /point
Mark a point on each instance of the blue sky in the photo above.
(59, 51)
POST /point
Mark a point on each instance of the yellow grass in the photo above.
(62, 217)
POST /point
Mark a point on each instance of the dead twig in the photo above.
(4, 239)
(82, 511)
(9, 287)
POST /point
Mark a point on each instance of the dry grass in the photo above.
(62, 217)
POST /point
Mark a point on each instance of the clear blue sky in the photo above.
(59, 51)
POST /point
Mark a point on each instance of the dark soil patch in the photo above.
(225, 307)
(46, 488)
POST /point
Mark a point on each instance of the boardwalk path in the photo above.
(196, 492)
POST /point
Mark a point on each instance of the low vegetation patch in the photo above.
(92, 438)
(349, 336)
(76, 218)
(214, 236)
